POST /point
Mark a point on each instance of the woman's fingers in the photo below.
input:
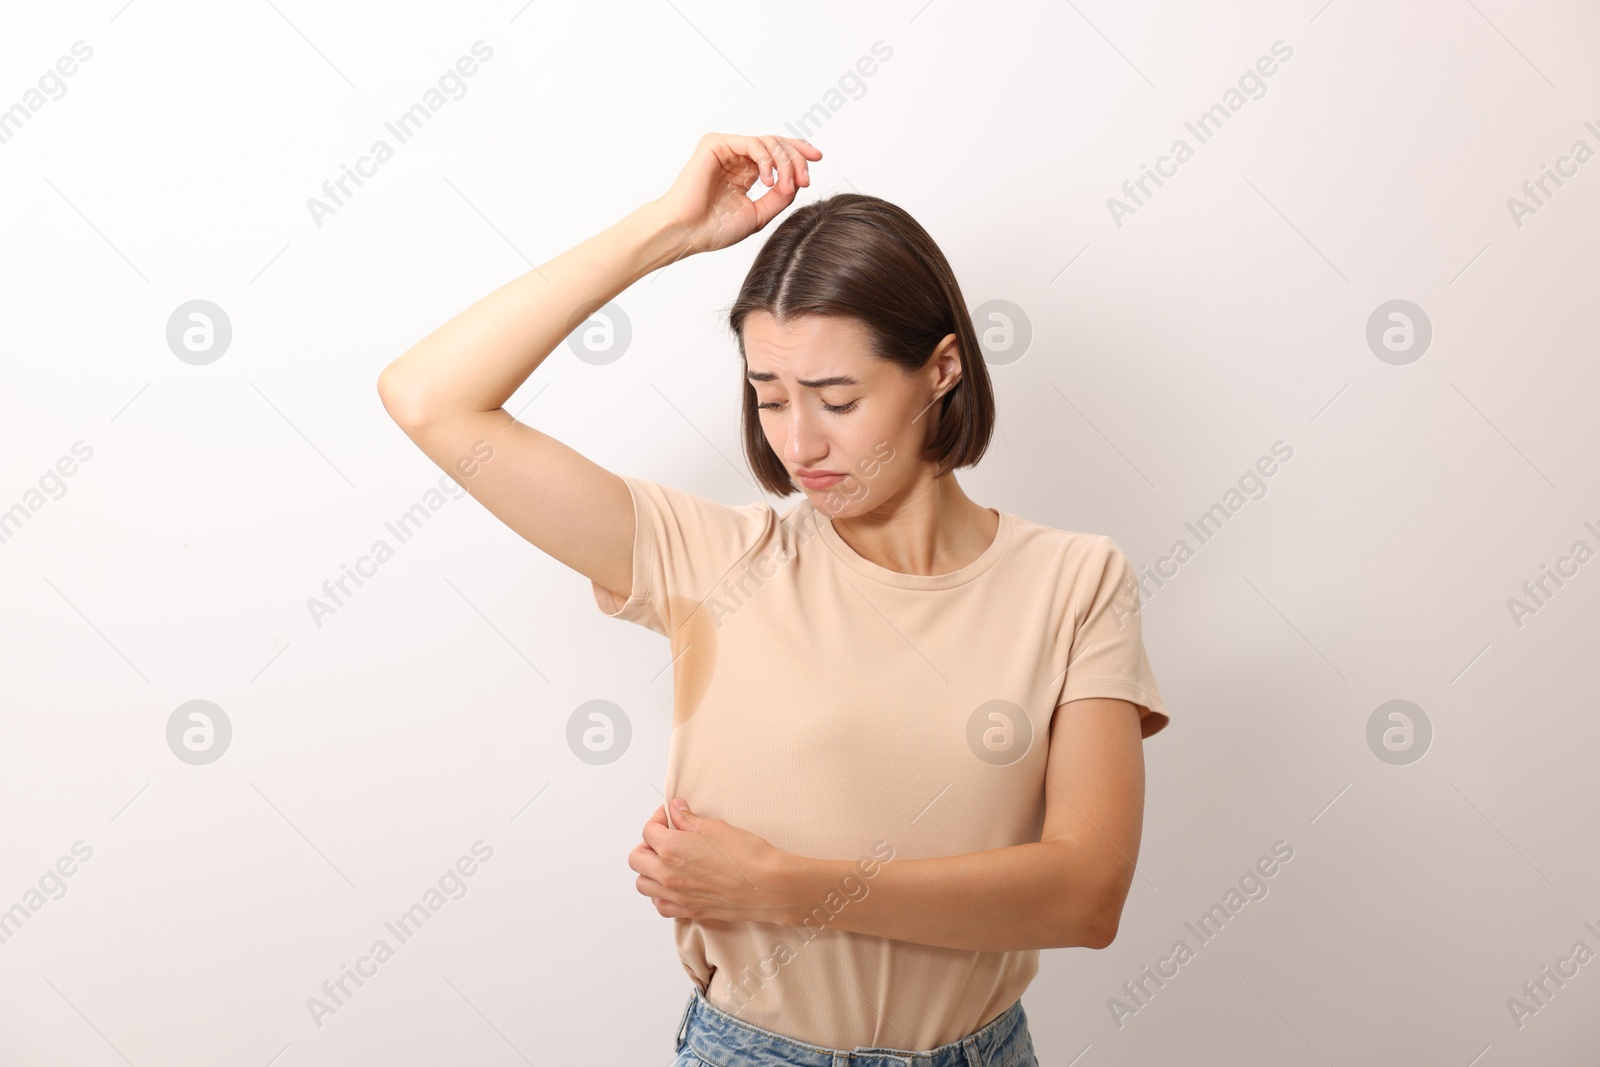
(769, 204)
(757, 150)
(772, 155)
(703, 196)
(778, 158)
(805, 151)
(804, 147)
(779, 152)
(794, 163)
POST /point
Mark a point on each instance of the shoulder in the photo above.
(689, 507)
(694, 535)
(1078, 550)
(1086, 572)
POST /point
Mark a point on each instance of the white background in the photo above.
(1168, 354)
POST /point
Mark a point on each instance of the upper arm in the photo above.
(567, 505)
(1107, 656)
(1094, 793)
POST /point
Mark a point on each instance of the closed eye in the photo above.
(843, 409)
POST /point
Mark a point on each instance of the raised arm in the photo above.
(446, 392)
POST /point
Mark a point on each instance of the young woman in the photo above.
(907, 728)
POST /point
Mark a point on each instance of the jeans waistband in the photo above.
(719, 1038)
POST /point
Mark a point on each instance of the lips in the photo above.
(819, 481)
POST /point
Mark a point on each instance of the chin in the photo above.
(832, 503)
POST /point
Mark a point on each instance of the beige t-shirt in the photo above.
(842, 710)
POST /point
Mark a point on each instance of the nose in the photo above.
(804, 445)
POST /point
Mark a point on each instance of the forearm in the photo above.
(475, 361)
(1037, 895)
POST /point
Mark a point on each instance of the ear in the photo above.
(946, 363)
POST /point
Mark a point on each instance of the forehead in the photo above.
(806, 344)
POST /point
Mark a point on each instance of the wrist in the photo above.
(665, 237)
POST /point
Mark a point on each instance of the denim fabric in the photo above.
(708, 1037)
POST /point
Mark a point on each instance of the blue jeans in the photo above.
(707, 1036)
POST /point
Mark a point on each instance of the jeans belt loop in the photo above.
(683, 1025)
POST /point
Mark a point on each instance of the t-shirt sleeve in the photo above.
(1107, 658)
(683, 545)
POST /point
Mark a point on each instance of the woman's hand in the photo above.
(711, 869)
(709, 199)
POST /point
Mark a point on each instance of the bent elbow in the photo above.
(1100, 926)
(1103, 933)
(393, 396)
(1107, 913)
(1085, 929)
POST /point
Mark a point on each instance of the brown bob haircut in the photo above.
(863, 258)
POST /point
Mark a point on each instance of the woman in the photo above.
(908, 728)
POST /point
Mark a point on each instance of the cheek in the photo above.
(877, 463)
(890, 433)
(776, 432)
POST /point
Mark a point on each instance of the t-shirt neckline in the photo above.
(865, 567)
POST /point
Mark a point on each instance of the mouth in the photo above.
(819, 479)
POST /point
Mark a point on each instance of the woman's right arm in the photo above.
(446, 392)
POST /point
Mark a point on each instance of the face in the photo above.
(829, 406)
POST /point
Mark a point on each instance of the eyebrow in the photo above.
(813, 383)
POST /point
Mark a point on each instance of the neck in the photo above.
(933, 527)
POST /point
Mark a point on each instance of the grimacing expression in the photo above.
(826, 403)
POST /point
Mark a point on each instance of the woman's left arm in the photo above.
(1065, 890)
